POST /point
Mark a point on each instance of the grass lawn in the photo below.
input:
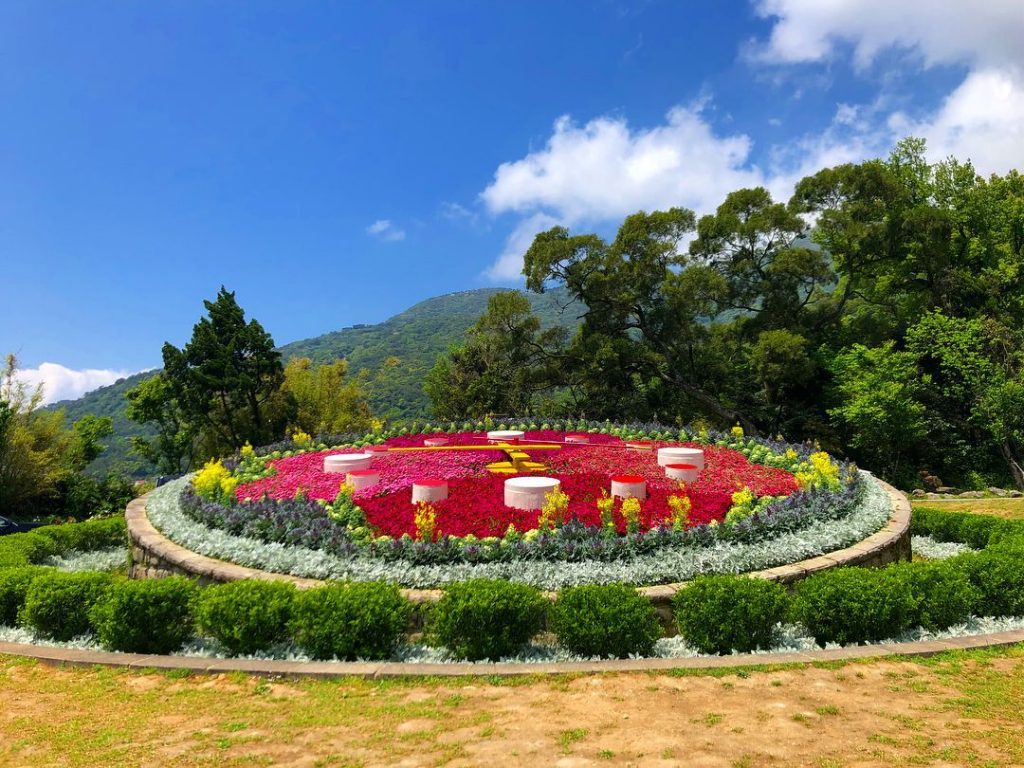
(953, 709)
(1010, 509)
(957, 709)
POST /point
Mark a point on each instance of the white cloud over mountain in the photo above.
(605, 169)
(62, 383)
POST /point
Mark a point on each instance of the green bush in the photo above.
(719, 614)
(58, 604)
(998, 577)
(14, 583)
(485, 619)
(21, 549)
(149, 616)
(854, 605)
(943, 594)
(971, 529)
(92, 534)
(361, 620)
(246, 616)
(611, 620)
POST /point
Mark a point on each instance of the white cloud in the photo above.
(509, 265)
(386, 230)
(605, 169)
(62, 383)
(982, 119)
(944, 32)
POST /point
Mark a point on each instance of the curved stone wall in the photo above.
(155, 556)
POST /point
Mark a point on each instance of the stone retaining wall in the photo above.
(156, 556)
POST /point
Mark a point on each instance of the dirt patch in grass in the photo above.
(1008, 509)
(965, 709)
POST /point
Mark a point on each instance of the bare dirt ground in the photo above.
(954, 710)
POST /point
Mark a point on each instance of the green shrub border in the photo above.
(847, 604)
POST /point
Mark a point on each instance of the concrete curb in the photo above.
(74, 657)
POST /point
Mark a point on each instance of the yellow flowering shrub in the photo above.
(301, 439)
(679, 511)
(425, 519)
(736, 431)
(247, 451)
(606, 506)
(631, 514)
(743, 504)
(820, 471)
(552, 514)
(210, 481)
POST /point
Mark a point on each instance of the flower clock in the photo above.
(483, 492)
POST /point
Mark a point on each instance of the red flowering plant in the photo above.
(734, 496)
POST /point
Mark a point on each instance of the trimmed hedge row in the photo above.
(21, 549)
(485, 619)
(975, 530)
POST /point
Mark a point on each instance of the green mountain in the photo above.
(396, 354)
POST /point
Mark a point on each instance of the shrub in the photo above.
(854, 605)
(943, 594)
(964, 527)
(149, 616)
(246, 616)
(998, 577)
(21, 549)
(718, 614)
(361, 620)
(487, 619)
(14, 583)
(58, 604)
(92, 534)
(605, 620)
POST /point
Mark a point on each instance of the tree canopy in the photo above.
(879, 311)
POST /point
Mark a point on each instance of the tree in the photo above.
(327, 400)
(877, 390)
(221, 390)
(504, 364)
(174, 449)
(40, 458)
(668, 332)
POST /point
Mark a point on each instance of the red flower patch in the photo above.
(475, 504)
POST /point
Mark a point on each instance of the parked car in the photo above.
(11, 526)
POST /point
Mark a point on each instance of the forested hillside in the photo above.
(395, 354)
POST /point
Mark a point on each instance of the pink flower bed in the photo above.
(476, 497)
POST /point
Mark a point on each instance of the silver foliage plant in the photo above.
(669, 564)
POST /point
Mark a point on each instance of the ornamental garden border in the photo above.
(155, 556)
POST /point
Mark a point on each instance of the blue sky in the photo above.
(334, 163)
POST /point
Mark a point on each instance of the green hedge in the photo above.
(719, 614)
(246, 616)
(605, 620)
(998, 577)
(487, 619)
(943, 594)
(58, 604)
(963, 527)
(20, 549)
(854, 605)
(99, 533)
(149, 616)
(14, 584)
(358, 620)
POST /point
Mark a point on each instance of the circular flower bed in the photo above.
(754, 502)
